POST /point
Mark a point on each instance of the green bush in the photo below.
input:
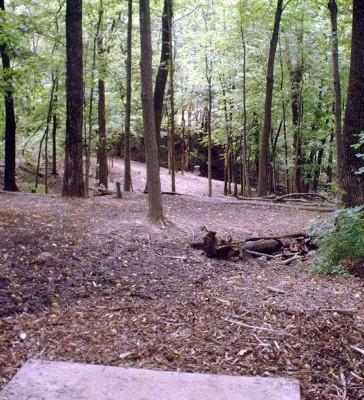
(340, 240)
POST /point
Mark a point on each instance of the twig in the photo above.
(356, 376)
(258, 327)
(289, 260)
(256, 253)
(343, 382)
(275, 290)
(361, 351)
(350, 313)
(261, 343)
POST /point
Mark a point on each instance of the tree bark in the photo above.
(10, 123)
(73, 184)
(162, 74)
(155, 209)
(337, 84)
(171, 99)
(296, 80)
(352, 183)
(208, 122)
(245, 187)
(264, 142)
(102, 145)
(127, 156)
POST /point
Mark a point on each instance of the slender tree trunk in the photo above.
(88, 130)
(264, 142)
(284, 121)
(73, 184)
(337, 84)
(351, 182)
(183, 149)
(320, 156)
(155, 209)
(245, 189)
(45, 136)
(162, 74)
(55, 79)
(171, 98)
(188, 139)
(296, 79)
(329, 171)
(102, 145)
(228, 140)
(10, 124)
(209, 138)
(127, 156)
(55, 128)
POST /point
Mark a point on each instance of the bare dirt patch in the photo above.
(91, 281)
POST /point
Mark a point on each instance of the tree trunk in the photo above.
(337, 85)
(183, 147)
(102, 145)
(155, 209)
(88, 133)
(296, 80)
(209, 138)
(171, 99)
(352, 183)
(264, 142)
(245, 188)
(10, 124)
(162, 74)
(73, 184)
(127, 156)
(329, 171)
(55, 128)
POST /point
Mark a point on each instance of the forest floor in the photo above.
(89, 280)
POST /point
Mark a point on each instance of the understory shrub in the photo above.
(340, 241)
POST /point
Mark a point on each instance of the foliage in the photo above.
(360, 155)
(340, 240)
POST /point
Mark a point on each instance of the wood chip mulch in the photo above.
(90, 281)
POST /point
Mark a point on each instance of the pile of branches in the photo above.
(289, 247)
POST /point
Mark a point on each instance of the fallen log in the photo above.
(277, 237)
(101, 191)
(217, 248)
(308, 196)
(263, 245)
(226, 249)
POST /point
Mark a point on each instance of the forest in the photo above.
(254, 93)
(183, 187)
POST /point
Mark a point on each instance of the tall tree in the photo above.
(127, 156)
(264, 141)
(337, 84)
(155, 209)
(162, 74)
(10, 123)
(73, 184)
(172, 136)
(102, 145)
(352, 183)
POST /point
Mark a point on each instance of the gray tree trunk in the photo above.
(155, 209)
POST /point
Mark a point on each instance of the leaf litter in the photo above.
(90, 281)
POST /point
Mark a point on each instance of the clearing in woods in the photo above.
(91, 281)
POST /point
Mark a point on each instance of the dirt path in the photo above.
(91, 281)
(188, 183)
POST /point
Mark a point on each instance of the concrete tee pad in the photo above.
(43, 380)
